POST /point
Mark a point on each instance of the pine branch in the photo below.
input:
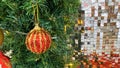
(20, 32)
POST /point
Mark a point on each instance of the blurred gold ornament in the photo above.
(80, 22)
(65, 27)
(70, 65)
(1, 36)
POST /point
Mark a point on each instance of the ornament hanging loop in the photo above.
(36, 13)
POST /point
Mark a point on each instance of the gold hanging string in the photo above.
(35, 12)
(37, 17)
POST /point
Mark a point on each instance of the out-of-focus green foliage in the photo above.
(17, 19)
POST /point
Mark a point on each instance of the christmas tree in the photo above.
(17, 19)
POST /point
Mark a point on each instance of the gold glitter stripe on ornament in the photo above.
(34, 42)
(40, 41)
(26, 41)
(29, 41)
(44, 42)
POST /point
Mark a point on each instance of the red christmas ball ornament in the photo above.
(4, 61)
(38, 40)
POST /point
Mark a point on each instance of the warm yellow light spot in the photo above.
(80, 22)
(70, 64)
(65, 28)
(7, 32)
